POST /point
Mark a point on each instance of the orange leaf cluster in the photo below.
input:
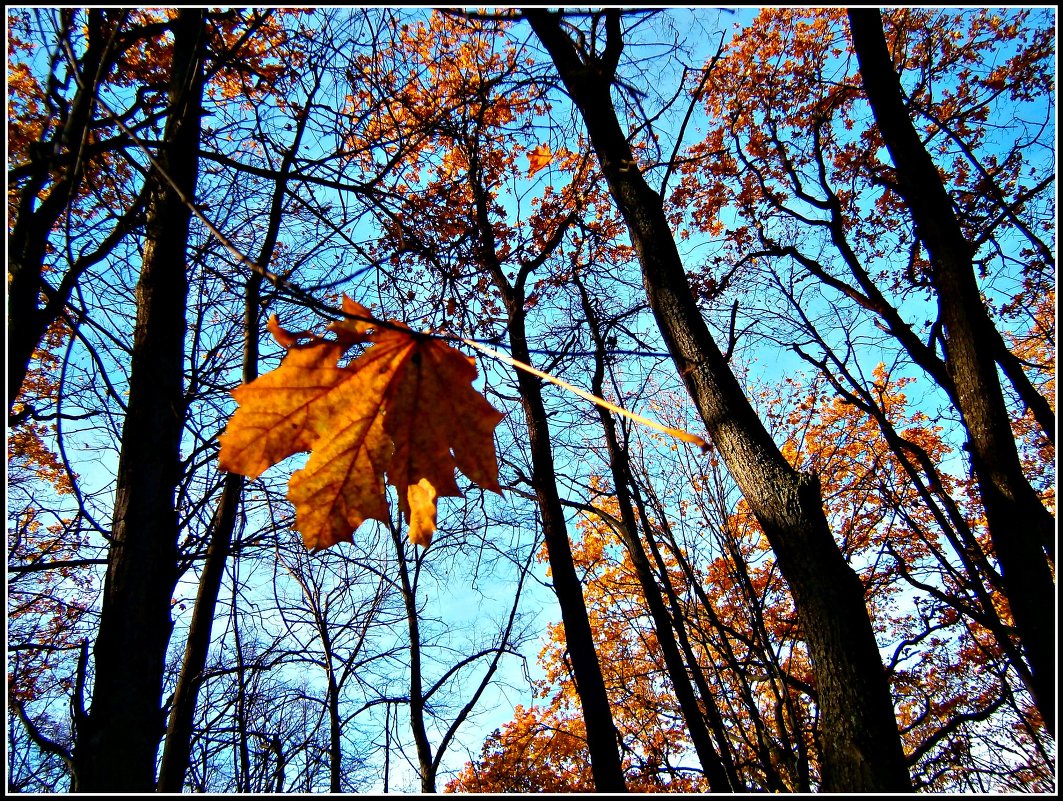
(404, 407)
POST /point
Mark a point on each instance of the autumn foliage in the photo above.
(438, 165)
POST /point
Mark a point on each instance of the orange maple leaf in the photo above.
(404, 407)
(539, 158)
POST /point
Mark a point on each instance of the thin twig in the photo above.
(678, 433)
(281, 282)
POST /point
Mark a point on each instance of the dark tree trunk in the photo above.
(175, 756)
(730, 661)
(178, 746)
(1020, 527)
(335, 748)
(721, 779)
(117, 744)
(861, 750)
(603, 743)
(425, 764)
(241, 714)
(602, 738)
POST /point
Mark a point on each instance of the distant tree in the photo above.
(1021, 528)
(853, 693)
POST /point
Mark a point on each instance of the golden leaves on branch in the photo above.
(404, 408)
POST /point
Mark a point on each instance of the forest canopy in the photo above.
(527, 400)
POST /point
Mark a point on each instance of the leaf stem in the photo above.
(678, 433)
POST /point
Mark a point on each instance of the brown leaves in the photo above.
(539, 158)
(404, 407)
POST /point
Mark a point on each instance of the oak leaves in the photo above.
(405, 407)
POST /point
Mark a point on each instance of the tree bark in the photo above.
(27, 319)
(602, 738)
(176, 752)
(117, 745)
(773, 780)
(178, 747)
(1020, 526)
(425, 764)
(33, 303)
(860, 748)
(240, 711)
(335, 747)
(720, 779)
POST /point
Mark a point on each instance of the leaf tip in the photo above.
(285, 338)
(421, 506)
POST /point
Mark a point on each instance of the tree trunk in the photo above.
(602, 740)
(240, 711)
(35, 218)
(117, 745)
(335, 743)
(720, 779)
(861, 750)
(1020, 527)
(174, 762)
(774, 781)
(178, 746)
(425, 763)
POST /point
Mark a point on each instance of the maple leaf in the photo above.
(405, 407)
(539, 158)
